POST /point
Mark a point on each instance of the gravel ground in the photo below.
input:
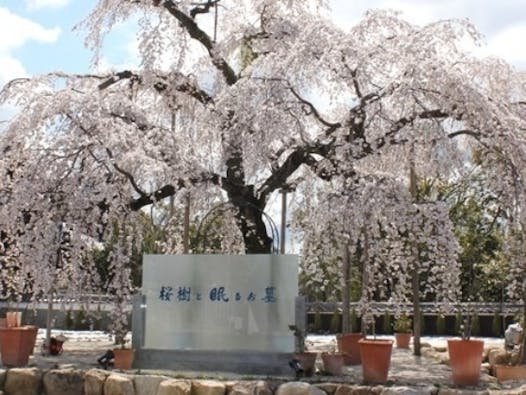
(407, 369)
(82, 349)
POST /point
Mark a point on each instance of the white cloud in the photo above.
(417, 13)
(39, 4)
(15, 31)
(7, 112)
(509, 44)
(503, 23)
(127, 56)
(347, 13)
(10, 68)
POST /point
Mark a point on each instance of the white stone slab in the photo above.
(220, 302)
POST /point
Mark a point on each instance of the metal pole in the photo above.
(346, 300)
(49, 316)
(215, 22)
(172, 197)
(283, 219)
(186, 231)
(365, 281)
(415, 276)
(45, 349)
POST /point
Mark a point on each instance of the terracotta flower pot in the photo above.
(32, 337)
(348, 346)
(465, 357)
(403, 339)
(3, 324)
(123, 358)
(307, 361)
(509, 372)
(376, 358)
(332, 363)
(17, 344)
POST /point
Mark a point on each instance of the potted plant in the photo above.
(332, 362)
(349, 347)
(465, 356)
(514, 253)
(122, 288)
(402, 328)
(307, 362)
(17, 342)
(376, 358)
(375, 354)
(122, 356)
(348, 340)
(305, 359)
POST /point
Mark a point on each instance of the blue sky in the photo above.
(36, 35)
(45, 39)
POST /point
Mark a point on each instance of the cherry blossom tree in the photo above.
(390, 242)
(515, 243)
(235, 100)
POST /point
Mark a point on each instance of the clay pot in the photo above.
(55, 345)
(376, 358)
(123, 358)
(17, 344)
(403, 339)
(307, 361)
(465, 357)
(348, 346)
(509, 372)
(3, 324)
(332, 363)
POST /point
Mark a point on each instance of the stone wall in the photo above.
(69, 381)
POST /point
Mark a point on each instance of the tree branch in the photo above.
(169, 190)
(301, 155)
(130, 118)
(464, 132)
(203, 8)
(178, 81)
(121, 75)
(403, 122)
(355, 82)
(119, 169)
(183, 84)
(126, 174)
(314, 111)
(198, 34)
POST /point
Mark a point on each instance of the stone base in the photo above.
(510, 372)
(242, 362)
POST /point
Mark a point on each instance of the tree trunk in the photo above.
(365, 283)
(416, 312)
(255, 232)
(249, 218)
(415, 279)
(523, 346)
(186, 228)
(346, 299)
